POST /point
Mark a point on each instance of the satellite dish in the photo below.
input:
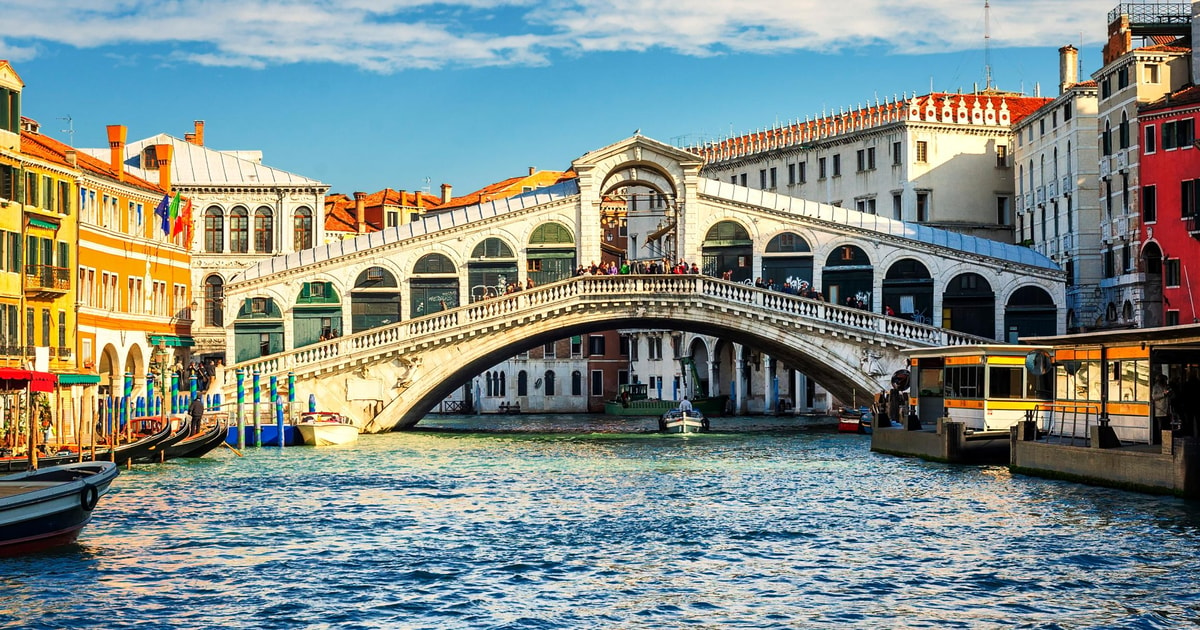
(1038, 362)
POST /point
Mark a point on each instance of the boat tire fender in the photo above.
(89, 497)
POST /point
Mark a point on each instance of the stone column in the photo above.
(739, 374)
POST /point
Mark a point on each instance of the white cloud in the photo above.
(390, 35)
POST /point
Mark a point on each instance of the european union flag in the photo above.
(163, 213)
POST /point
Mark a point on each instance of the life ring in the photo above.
(89, 497)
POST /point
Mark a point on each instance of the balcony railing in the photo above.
(1066, 185)
(47, 278)
(1193, 224)
(63, 352)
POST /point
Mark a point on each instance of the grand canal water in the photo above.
(569, 522)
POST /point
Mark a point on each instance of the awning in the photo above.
(78, 379)
(172, 341)
(42, 224)
(15, 378)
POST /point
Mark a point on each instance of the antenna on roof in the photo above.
(987, 45)
(70, 130)
(427, 184)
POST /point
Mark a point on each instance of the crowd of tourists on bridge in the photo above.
(643, 267)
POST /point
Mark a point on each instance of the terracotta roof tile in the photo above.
(51, 150)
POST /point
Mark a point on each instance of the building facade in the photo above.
(1144, 59)
(1058, 208)
(1170, 207)
(938, 159)
(242, 212)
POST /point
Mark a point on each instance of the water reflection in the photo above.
(568, 522)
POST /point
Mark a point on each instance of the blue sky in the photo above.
(368, 94)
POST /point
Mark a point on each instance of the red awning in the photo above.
(15, 378)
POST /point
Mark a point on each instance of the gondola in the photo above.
(200, 444)
(142, 447)
(158, 453)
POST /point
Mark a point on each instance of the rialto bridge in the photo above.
(388, 324)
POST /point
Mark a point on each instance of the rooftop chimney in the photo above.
(446, 190)
(116, 149)
(197, 135)
(532, 170)
(162, 155)
(71, 157)
(1068, 68)
(403, 198)
(360, 212)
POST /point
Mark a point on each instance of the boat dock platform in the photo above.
(1172, 467)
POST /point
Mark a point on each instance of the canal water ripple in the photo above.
(569, 522)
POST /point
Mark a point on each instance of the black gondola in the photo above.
(200, 444)
(148, 438)
(158, 453)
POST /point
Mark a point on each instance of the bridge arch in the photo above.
(258, 328)
(491, 265)
(550, 253)
(908, 289)
(969, 303)
(848, 274)
(728, 246)
(434, 281)
(1029, 311)
(788, 256)
(639, 174)
(375, 299)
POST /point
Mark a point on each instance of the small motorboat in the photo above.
(683, 421)
(45, 508)
(854, 420)
(326, 428)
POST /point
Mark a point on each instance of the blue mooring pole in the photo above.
(241, 404)
(279, 418)
(273, 388)
(291, 398)
(254, 379)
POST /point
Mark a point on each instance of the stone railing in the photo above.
(494, 312)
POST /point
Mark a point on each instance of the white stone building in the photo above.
(242, 212)
(937, 159)
(1058, 208)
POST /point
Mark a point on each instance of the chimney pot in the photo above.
(162, 155)
(1068, 68)
(532, 170)
(360, 212)
(116, 149)
(198, 134)
(446, 190)
(71, 157)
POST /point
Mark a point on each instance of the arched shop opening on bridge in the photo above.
(728, 249)
(788, 258)
(434, 285)
(375, 300)
(848, 275)
(493, 265)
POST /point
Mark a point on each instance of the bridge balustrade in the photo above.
(499, 310)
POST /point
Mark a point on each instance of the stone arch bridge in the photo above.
(411, 366)
(634, 201)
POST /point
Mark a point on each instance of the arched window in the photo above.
(264, 233)
(239, 230)
(303, 224)
(576, 383)
(549, 382)
(214, 230)
(214, 298)
(522, 383)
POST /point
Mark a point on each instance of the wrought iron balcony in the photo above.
(48, 279)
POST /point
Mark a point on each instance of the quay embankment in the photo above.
(1168, 468)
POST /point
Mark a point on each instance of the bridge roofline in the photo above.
(914, 232)
(432, 222)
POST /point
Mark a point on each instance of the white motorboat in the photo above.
(326, 428)
(687, 421)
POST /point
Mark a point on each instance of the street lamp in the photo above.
(159, 364)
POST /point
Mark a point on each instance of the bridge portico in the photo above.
(635, 199)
